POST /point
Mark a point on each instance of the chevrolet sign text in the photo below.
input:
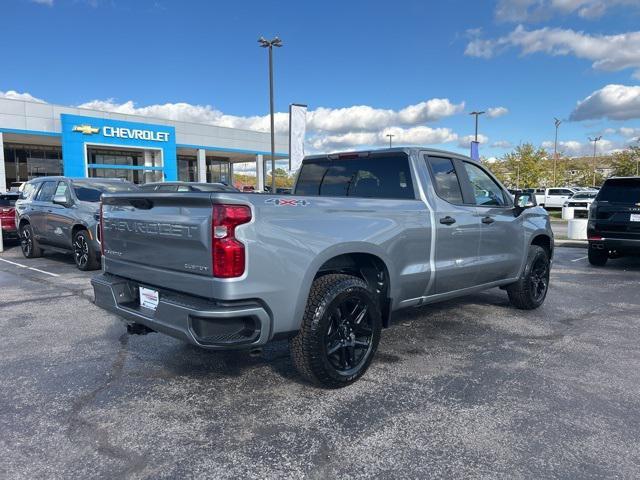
(135, 134)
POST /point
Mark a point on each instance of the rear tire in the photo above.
(530, 291)
(598, 258)
(28, 243)
(340, 331)
(84, 253)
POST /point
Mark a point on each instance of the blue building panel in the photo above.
(78, 131)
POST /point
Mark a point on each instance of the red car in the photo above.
(8, 214)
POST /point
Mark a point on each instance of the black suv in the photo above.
(614, 220)
(62, 214)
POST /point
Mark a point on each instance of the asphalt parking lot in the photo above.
(467, 388)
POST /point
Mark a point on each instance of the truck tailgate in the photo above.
(170, 232)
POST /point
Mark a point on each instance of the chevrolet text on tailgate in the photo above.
(363, 235)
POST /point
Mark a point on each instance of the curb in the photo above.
(571, 243)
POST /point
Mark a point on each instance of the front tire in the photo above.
(340, 331)
(530, 291)
(28, 243)
(84, 253)
(598, 258)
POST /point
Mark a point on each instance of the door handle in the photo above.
(488, 220)
(448, 220)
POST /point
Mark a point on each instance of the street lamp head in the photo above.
(263, 42)
(276, 42)
(476, 113)
(557, 122)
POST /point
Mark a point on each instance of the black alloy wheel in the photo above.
(339, 333)
(349, 335)
(539, 278)
(81, 251)
(28, 243)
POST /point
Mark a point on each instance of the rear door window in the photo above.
(365, 177)
(445, 179)
(46, 191)
(620, 190)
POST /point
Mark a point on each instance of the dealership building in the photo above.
(39, 139)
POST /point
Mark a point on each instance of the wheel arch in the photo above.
(543, 240)
(364, 261)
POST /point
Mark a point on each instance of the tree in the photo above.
(626, 162)
(525, 167)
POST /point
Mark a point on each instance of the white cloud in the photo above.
(464, 142)
(420, 135)
(13, 95)
(48, 3)
(502, 144)
(537, 10)
(575, 148)
(334, 120)
(630, 133)
(607, 52)
(364, 117)
(496, 112)
(616, 102)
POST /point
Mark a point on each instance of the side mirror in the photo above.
(61, 200)
(524, 200)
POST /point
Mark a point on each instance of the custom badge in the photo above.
(286, 202)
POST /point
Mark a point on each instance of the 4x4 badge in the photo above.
(286, 202)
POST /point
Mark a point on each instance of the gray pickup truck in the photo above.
(363, 235)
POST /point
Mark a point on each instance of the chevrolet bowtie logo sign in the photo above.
(86, 129)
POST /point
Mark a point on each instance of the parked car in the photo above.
(8, 215)
(187, 187)
(614, 220)
(61, 214)
(16, 186)
(580, 202)
(538, 192)
(363, 235)
(556, 197)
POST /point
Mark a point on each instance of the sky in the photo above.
(366, 69)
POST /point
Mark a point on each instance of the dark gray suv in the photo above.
(62, 214)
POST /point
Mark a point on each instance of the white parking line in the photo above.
(581, 258)
(29, 268)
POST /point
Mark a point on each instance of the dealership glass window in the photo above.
(217, 170)
(24, 162)
(187, 168)
(132, 158)
(135, 176)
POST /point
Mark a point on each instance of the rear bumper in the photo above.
(622, 245)
(9, 230)
(208, 324)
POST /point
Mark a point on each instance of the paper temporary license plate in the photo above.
(149, 298)
(635, 217)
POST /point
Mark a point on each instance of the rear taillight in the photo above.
(228, 252)
(595, 237)
(101, 232)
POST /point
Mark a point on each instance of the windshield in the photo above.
(8, 200)
(213, 187)
(620, 190)
(584, 196)
(91, 191)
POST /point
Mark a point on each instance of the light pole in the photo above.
(595, 141)
(555, 150)
(477, 114)
(390, 137)
(276, 42)
(638, 160)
